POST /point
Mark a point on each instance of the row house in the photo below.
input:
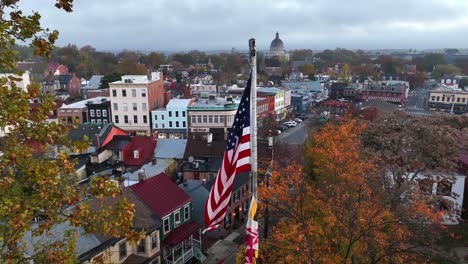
(62, 85)
(76, 113)
(199, 88)
(106, 249)
(212, 116)
(390, 91)
(172, 121)
(449, 100)
(180, 236)
(99, 110)
(133, 98)
(344, 90)
(282, 100)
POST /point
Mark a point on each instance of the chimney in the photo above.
(97, 141)
(141, 175)
(153, 161)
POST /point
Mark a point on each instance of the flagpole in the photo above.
(253, 115)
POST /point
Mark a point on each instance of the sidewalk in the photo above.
(225, 250)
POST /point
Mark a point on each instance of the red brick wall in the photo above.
(156, 96)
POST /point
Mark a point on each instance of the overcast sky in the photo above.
(173, 25)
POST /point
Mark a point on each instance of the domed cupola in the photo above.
(277, 44)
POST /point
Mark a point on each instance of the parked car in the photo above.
(290, 124)
(298, 120)
(280, 128)
(285, 127)
(275, 132)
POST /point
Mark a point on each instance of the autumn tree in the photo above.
(429, 61)
(302, 54)
(308, 69)
(153, 60)
(333, 208)
(31, 183)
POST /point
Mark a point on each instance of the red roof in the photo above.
(181, 233)
(115, 131)
(144, 145)
(161, 194)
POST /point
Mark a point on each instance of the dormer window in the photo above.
(136, 155)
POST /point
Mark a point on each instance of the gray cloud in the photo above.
(214, 24)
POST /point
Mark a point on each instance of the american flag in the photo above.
(236, 160)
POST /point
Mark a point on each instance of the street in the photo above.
(417, 102)
(295, 135)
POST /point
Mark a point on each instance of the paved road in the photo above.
(295, 135)
(417, 102)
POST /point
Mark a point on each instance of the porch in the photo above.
(183, 244)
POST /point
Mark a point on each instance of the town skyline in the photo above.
(189, 25)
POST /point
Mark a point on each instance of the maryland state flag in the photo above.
(251, 249)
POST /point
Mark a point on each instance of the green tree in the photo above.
(345, 74)
(441, 70)
(429, 61)
(31, 183)
(153, 60)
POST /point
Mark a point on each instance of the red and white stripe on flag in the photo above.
(251, 247)
(236, 159)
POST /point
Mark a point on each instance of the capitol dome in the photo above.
(277, 45)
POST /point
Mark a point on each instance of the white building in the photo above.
(132, 100)
(172, 121)
(451, 188)
(23, 83)
(211, 116)
(197, 89)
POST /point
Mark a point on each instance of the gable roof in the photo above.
(144, 145)
(109, 131)
(170, 148)
(161, 194)
(118, 142)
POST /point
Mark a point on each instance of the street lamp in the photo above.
(453, 101)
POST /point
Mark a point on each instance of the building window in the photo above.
(114, 93)
(99, 121)
(93, 121)
(98, 113)
(116, 119)
(183, 113)
(210, 119)
(162, 117)
(463, 99)
(135, 119)
(145, 119)
(458, 99)
(126, 119)
(186, 213)
(104, 122)
(104, 112)
(155, 125)
(194, 119)
(143, 92)
(134, 105)
(141, 246)
(177, 123)
(125, 107)
(116, 107)
(438, 98)
(143, 106)
(184, 124)
(444, 187)
(433, 98)
(221, 119)
(176, 113)
(170, 113)
(124, 93)
(204, 119)
(199, 119)
(91, 113)
(170, 123)
(425, 185)
(133, 92)
(122, 250)
(216, 119)
(154, 241)
(177, 217)
(166, 226)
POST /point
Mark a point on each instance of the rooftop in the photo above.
(171, 148)
(175, 102)
(82, 103)
(161, 194)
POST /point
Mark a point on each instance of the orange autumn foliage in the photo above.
(334, 208)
